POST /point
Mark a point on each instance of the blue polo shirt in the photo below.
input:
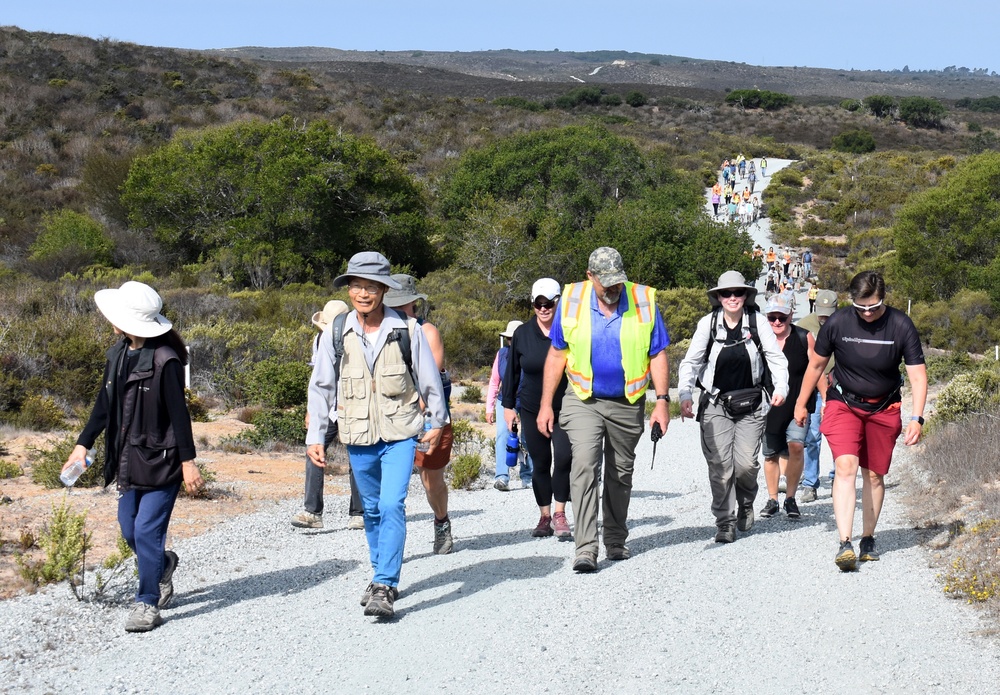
(606, 345)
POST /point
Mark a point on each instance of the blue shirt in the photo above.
(606, 346)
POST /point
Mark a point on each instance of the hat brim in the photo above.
(111, 303)
(342, 280)
(826, 311)
(611, 279)
(402, 300)
(317, 320)
(713, 294)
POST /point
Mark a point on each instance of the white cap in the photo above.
(545, 287)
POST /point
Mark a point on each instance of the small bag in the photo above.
(741, 401)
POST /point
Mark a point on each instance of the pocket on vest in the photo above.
(393, 380)
(151, 468)
(352, 384)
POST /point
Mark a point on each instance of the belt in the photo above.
(863, 399)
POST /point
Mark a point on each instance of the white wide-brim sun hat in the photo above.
(134, 309)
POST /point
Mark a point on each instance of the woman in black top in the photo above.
(148, 440)
(861, 419)
(784, 439)
(528, 349)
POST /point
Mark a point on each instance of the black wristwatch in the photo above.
(666, 397)
(918, 419)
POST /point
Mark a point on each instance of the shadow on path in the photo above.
(286, 581)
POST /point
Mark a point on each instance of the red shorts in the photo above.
(869, 436)
(441, 455)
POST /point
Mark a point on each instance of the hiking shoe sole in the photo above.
(846, 560)
(585, 563)
(167, 579)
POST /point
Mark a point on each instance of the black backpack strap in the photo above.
(750, 316)
(337, 328)
(713, 328)
(403, 337)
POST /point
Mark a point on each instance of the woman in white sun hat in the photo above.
(148, 441)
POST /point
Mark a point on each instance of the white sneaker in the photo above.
(143, 618)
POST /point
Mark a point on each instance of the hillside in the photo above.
(622, 67)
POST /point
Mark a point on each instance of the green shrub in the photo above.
(611, 100)
(68, 241)
(269, 426)
(581, 95)
(759, 99)
(850, 104)
(65, 543)
(472, 393)
(46, 464)
(854, 142)
(464, 471)
(467, 439)
(40, 413)
(942, 368)
(9, 469)
(921, 112)
(277, 383)
(880, 105)
(967, 395)
(196, 406)
(636, 99)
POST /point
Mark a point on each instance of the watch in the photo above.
(918, 419)
(664, 397)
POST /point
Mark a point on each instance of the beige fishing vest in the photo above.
(383, 406)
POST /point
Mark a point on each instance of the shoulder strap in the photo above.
(337, 326)
(713, 328)
(404, 338)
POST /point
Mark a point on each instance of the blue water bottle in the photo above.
(513, 446)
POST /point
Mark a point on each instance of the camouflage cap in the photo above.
(826, 302)
(606, 263)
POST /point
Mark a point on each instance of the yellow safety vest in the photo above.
(636, 335)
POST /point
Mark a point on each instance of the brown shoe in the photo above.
(585, 562)
(617, 551)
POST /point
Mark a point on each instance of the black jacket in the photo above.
(148, 429)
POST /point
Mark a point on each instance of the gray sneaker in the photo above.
(744, 518)
(306, 519)
(808, 495)
(167, 579)
(443, 543)
(143, 618)
(380, 604)
(370, 589)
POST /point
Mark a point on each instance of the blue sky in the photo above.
(873, 34)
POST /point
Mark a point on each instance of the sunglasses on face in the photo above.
(726, 294)
(778, 318)
(547, 304)
(870, 309)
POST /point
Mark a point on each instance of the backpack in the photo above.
(766, 381)
(397, 334)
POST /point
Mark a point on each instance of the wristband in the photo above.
(917, 418)
(664, 397)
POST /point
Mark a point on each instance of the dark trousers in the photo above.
(143, 516)
(314, 481)
(547, 481)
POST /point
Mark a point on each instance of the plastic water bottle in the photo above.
(424, 446)
(73, 473)
(513, 446)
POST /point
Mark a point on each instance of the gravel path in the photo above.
(262, 607)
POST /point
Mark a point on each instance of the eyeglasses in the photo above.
(726, 294)
(779, 318)
(357, 287)
(870, 309)
(550, 304)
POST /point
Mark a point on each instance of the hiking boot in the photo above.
(585, 562)
(501, 485)
(782, 484)
(544, 527)
(808, 495)
(617, 551)
(443, 543)
(744, 518)
(143, 618)
(867, 549)
(356, 523)
(769, 510)
(306, 519)
(791, 509)
(166, 579)
(846, 560)
(380, 603)
(561, 526)
(370, 589)
(726, 533)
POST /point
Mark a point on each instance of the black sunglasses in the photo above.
(780, 318)
(545, 305)
(726, 294)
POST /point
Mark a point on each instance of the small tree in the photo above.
(921, 112)
(880, 105)
(67, 242)
(636, 99)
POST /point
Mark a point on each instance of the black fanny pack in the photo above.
(741, 401)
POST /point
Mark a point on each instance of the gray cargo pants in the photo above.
(731, 446)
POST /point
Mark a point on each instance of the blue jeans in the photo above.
(143, 516)
(814, 442)
(382, 472)
(502, 471)
(314, 480)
